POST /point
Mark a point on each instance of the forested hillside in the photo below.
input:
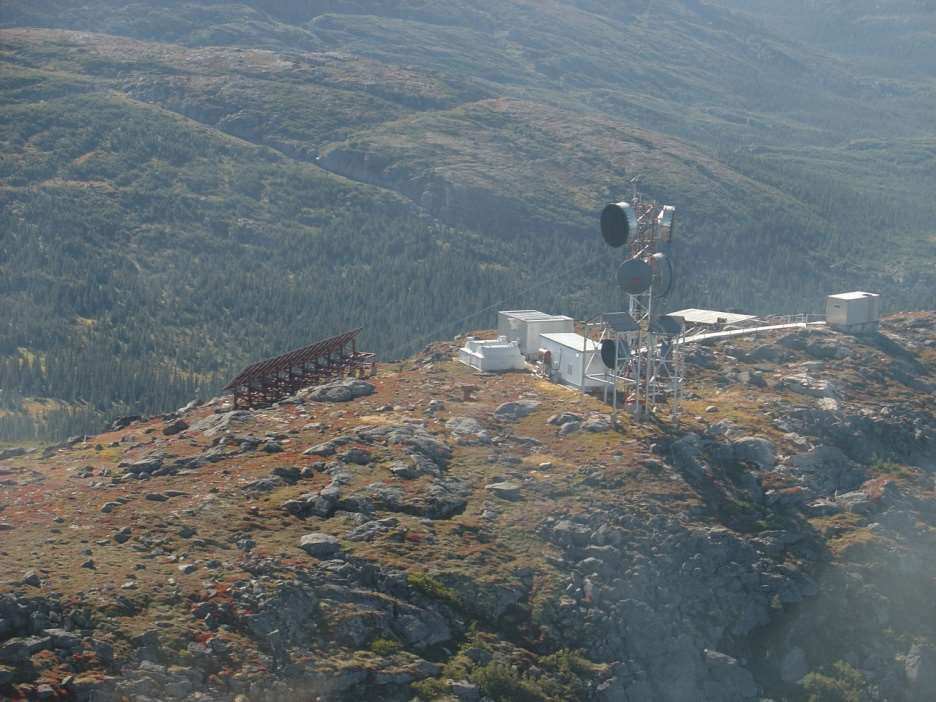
(187, 186)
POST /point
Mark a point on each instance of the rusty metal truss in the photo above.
(269, 381)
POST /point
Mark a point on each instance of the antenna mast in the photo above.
(641, 349)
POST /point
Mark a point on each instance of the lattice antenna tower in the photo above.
(641, 349)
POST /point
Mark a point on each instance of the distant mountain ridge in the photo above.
(191, 186)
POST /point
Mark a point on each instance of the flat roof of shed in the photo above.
(858, 295)
(572, 341)
(533, 315)
(694, 316)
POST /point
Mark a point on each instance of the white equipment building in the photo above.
(569, 355)
(501, 354)
(854, 312)
(526, 326)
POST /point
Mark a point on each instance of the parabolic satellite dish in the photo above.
(635, 276)
(618, 223)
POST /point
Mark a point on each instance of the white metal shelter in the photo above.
(569, 355)
(525, 327)
(854, 312)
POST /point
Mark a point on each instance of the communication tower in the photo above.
(641, 349)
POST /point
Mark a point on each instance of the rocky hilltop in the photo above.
(434, 534)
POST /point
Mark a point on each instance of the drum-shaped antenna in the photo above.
(662, 274)
(607, 353)
(618, 223)
(635, 276)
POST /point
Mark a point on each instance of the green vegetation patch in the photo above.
(431, 587)
(838, 683)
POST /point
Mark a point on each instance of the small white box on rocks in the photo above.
(854, 312)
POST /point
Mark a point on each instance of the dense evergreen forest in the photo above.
(203, 186)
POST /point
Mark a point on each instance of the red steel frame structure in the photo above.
(266, 382)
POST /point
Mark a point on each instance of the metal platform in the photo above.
(265, 382)
(712, 317)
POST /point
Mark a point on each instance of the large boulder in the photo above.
(464, 425)
(11, 453)
(756, 450)
(516, 410)
(175, 427)
(339, 391)
(319, 545)
(597, 423)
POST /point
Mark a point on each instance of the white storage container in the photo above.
(854, 312)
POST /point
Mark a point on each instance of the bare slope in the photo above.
(382, 548)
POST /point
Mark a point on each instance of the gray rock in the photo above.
(920, 671)
(340, 391)
(828, 404)
(144, 465)
(357, 456)
(505, 490)
(324, 503)
(856, 501)
(464, 691)
(423, 443)
(219, 423)
(6, 454)
(597, 423)
(21, 649)
(569, 428)
(370, 530)
(290, 474)
(756, 450)
(32, 579)
(403, 471)
(187, 568)
(263, 485)
(63, 639)
(273, 447)
(175, 427)
(328, 448)
(319, 545)
(7, 675)
(516, 410)
(564, 418)
(109, 507)
(807, 385)
(155, 497)
(464, 425)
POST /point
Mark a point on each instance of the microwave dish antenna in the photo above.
(618, 224)
(635, 276)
